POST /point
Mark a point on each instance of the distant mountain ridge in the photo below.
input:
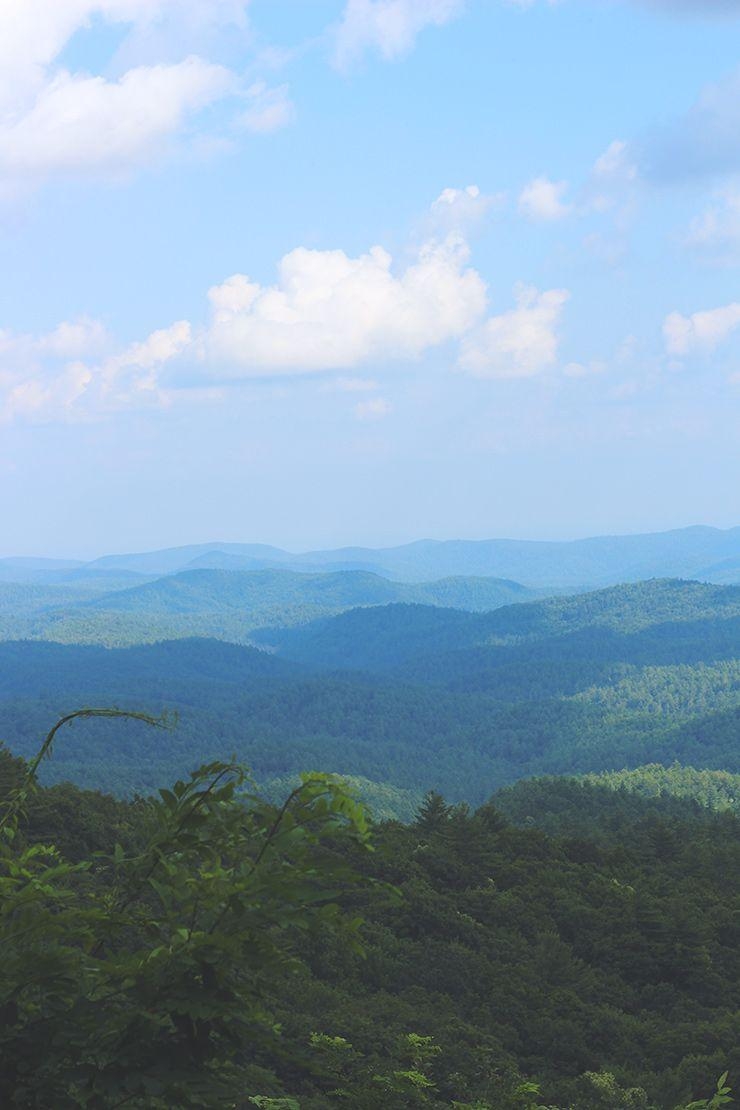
(708, 554)
(194, 590)
(224, 604)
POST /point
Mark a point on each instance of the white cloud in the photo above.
(374, 409)
(133, 375)
(520, 343)
(71, 339)
(45, 398)
(82, 123)
(389, 27)
(34, 32)
(609, 187)
(541, 200)
(43, 374)
(702, 331)
(79, 339)
(326, 312)
(69, 374)
(269, 109)
(329, 311)
(55, 120)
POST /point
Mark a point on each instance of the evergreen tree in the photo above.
(433, 813)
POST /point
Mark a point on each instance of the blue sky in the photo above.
(315, 273)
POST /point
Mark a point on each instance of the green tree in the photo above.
(145, 979)
(433, 813)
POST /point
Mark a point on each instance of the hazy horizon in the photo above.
(305, 548)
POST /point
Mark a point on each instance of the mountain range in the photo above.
(707, 554)
(405, 697)
(226, 605)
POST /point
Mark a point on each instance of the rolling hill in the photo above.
(223, 604)
(669, 619)
(461, 702)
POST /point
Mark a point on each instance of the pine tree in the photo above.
(433, 813)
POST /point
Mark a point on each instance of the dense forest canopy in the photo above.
(210, 948)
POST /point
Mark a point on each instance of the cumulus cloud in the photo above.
(71, 374)
(77, 339)
(329, 311)
(542, 200)
(133, 375)
(388, 27)
(71, 339)
(702, 331)
(55, 120)
(520, 343)
(42, 399)
(43, 373)
(81, 123)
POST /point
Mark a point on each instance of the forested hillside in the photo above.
(101, 608)
(461, 702)
(621, 622)
(464, 963)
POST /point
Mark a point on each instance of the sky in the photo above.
(327, 272)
